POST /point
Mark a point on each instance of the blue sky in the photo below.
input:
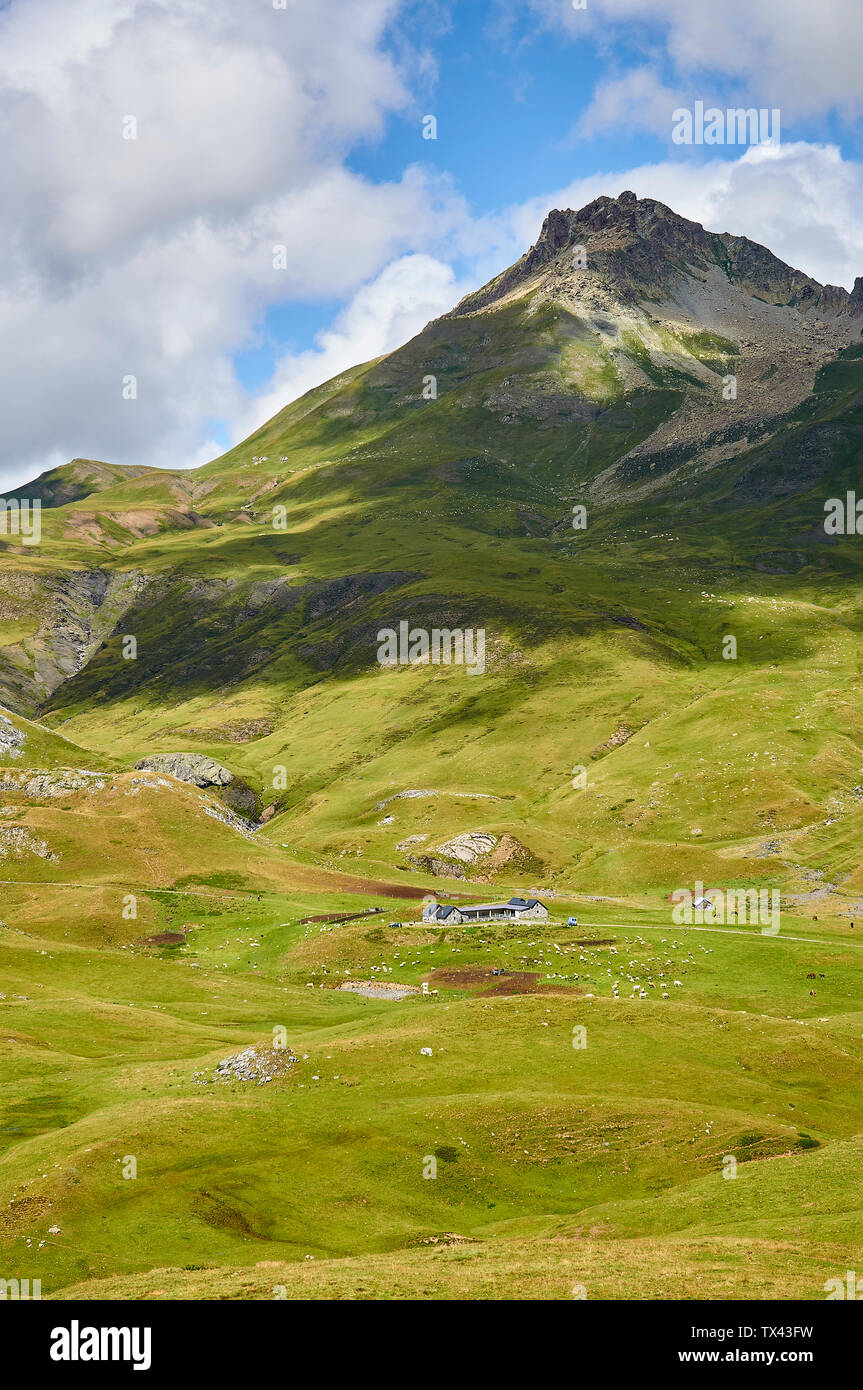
(508, 94)
(302, 128)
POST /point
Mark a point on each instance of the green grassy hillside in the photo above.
(616, 747)
(605, 651)
(588, 1158)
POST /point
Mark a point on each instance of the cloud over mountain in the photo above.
(153, 255)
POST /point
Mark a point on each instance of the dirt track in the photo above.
(511, 982)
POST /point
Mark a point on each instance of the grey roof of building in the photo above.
(517, 904)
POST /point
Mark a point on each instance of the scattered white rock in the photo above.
(12, 740)
(256, 1063)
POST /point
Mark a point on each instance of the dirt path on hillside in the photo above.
(334, 881)
(490, 980)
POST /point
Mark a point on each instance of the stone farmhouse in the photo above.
(519, 908)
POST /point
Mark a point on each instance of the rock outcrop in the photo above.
(76, 612)
(256, 1063)
(16, 842)
(188, 767)
(12, 740)
(468, 848)
(488, 855)
(39, 785)
(453, 859)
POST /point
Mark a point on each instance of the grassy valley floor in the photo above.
(700, 1145)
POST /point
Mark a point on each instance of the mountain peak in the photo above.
(77, 479)
(641, 249)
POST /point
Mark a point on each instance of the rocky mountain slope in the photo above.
(662, 300)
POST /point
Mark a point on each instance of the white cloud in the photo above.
(796, 54)
(383, 315)
(174, 311)
(638, 100)
(154, 256)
